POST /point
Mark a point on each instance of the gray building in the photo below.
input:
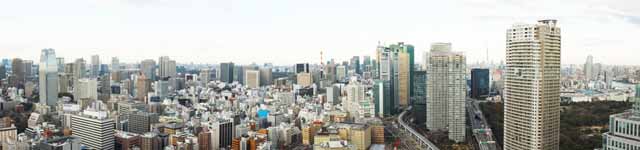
(446, 91)
(140, 122)
(226, 72)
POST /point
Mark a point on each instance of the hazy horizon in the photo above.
(286, 32)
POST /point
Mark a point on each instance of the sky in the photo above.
(294, 31)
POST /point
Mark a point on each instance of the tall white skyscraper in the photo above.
(446, 91)
(48, 77)
(532, 87)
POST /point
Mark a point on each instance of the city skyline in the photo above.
(244, 32)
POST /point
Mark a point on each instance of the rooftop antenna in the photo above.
(486, 46)
(321, 59)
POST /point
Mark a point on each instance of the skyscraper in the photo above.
(479, 83)
(79, 70)
(143, 86)
(148, 68)
(446, 91)
(341, 72)
(226, 72)
(302, 67)
(588, 68)
(387, 74)
(266, 76)
(48, 78)
(86, 88)
(95, 66)
(355, 64)
(252, 78)
(238, 74)
(115, 64)
(167, 67)
(532, 86)
(304, 79)
(205, 75)
(18, 72)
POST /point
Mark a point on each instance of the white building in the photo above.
(446, 91)
(86, 89)
(94, 127)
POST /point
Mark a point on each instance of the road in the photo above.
(423, 142)
(480, 128)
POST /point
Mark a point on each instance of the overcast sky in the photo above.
(290, 31)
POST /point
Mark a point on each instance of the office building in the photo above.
(3, 72)
(86, 89)
(126, 141)
(479, 83)
(405, 68)
(446, 91)
(384, 104)
(205, 76)
(588, 69)
(61, 64)
(333, 95)
(532, 86)
(95, 66)
(302, 68)
(150, 141)
(624, 128)
(167, 67)
(266, 76)
(115, 64)
(79, 70)
(17, 72)
(420, 85)
(252, 79)
(140, 122)
(355, 64)
(162, 89)
(143, 87)
(28, 69)
(341, 72)
(48, 78)
(238, 74)
(148, 68)
(360, 136)
(226, 72)
(304, 79)
(94, 127)
(388, 76)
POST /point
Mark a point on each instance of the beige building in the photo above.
(532, 87)
(304, 79)
(403, 78)
(252, 78)
(361, 136)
